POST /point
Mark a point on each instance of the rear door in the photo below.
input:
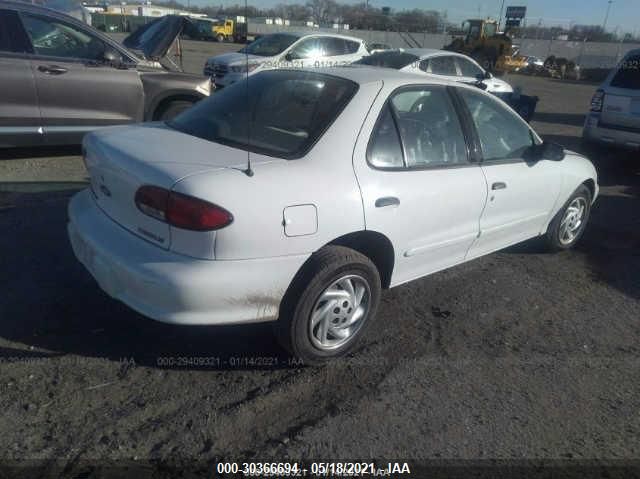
(418, 184)
(19, 114)
(622, 98)
(78, 90)
(521, 194)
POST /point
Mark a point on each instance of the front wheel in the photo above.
(330, 304)
(569, 224)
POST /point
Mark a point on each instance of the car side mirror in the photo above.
(488, 75)
(289, 57)
(553, 151)
(112, 57)
(545, 151)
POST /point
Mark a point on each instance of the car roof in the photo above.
(324, 34)
(431, 52)
(364, 75)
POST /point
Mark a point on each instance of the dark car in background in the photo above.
(60, 78)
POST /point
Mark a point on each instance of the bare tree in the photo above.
(323, 11)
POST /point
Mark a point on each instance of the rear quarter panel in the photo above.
(324, 178)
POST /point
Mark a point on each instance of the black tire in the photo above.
(172, 109)
(293, 328)
(553, 237)
(221, 38)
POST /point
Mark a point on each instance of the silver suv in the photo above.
(614, 118)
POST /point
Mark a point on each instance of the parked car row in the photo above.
(61, 78)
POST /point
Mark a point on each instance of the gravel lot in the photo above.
(519, 355)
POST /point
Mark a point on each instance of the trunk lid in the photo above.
(122, 159)
(622, 95)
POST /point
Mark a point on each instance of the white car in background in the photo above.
(342, 182)
(614, 118)
(447, 65)
(285, 50)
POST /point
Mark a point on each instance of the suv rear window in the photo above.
(396, 60)
(279, 113)
(628, 74)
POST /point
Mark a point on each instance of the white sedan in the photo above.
(442, 63)
(285, 51)
(339, 183)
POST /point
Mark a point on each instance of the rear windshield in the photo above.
(279, 113)
(628, 74)
(270, 45)
(396, 60)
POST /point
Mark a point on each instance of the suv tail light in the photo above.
(181, 211)
(597, 101)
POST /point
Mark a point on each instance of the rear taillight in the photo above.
(597, 101)
(181, 211)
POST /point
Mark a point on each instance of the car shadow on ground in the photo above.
(611, 242)
(50, 302)
(573, 119)
(39, 152)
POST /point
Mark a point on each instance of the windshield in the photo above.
(289, 111)
(270, 45)
(396, 60)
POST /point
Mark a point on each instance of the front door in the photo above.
(521, 194)
(78, 89)
(19, 116)
(418, 186)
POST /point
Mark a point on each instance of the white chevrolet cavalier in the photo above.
(359, 180)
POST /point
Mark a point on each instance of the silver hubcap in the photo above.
(572, 220)
(339, 312)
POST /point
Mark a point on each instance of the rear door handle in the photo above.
(52, 69)
(499, 186)
(387, 201)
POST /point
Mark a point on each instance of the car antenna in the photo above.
(248, 171)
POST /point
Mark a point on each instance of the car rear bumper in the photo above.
(173, 288)
(619, 137)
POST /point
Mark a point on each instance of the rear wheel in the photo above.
(569, 224)
(330, 304)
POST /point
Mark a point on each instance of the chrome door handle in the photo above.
(387, 201)
(499, 186)
(52, 69)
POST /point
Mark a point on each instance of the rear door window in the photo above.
(628, 74)
(332, 47)
(308, 48)
(419, 128)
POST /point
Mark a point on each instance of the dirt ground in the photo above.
(518, 355)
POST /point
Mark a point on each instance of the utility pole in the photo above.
(606, 17)
(500, 17)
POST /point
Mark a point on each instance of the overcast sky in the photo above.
(625, 14)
